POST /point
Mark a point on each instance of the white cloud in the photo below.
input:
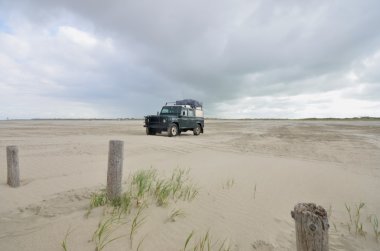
(77, 36)
(351, 76)
(320, 105)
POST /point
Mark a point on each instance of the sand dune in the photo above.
(250, 174)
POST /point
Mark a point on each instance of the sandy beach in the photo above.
(249, 175)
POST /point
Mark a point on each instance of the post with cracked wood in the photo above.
(311, 227)
(115, 169)
(13, 176)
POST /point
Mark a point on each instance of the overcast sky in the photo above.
(242, 59)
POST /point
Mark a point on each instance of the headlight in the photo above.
(164, 120)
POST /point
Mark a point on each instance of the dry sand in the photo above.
(61, 162)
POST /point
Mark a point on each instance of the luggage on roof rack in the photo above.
(191, 102)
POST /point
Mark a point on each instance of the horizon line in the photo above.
(206, 118)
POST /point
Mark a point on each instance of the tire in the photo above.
(150, 131)
(197, 130)
(172, 130)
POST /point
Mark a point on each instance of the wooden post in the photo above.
(13, 179)
(115, 168)
(311, 227)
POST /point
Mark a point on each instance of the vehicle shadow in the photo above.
(165, 134)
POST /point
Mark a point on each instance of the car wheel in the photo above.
(197, 130)
(173, 130)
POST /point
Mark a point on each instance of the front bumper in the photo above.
(157, 126)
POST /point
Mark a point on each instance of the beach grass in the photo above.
(137, 222)
(64, 242)
(204, 243)
(174, 214)
(146, 186)
(103, 235)
(375, 227)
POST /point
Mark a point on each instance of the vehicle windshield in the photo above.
(172, 110)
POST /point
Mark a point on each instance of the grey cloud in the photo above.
(215, 51)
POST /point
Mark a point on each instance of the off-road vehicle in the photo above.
(177, 117)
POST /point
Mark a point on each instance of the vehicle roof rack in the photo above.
(170, 102)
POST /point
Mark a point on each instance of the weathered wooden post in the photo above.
(13, 176)
(115, 169)
(311, 227)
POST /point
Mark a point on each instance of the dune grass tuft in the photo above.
(140, 243)
(64, 242)
(142, 183)
(375, 227)
(97, 200)
(355, 219)
(174, 214)
(103, 234)
(188, 240)
(137, 221)
(145, 187)
(162, 192)
(358, 225)
(205, 243)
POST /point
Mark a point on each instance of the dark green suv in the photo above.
(175, 119)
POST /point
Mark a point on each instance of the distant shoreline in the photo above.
(310, 119)
(121, 119)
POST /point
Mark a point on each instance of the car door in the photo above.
(183, 119)
(191, 118)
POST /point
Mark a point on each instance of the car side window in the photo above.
(184, 112)
(191, 113)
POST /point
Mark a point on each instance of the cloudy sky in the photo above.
(242, 59)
